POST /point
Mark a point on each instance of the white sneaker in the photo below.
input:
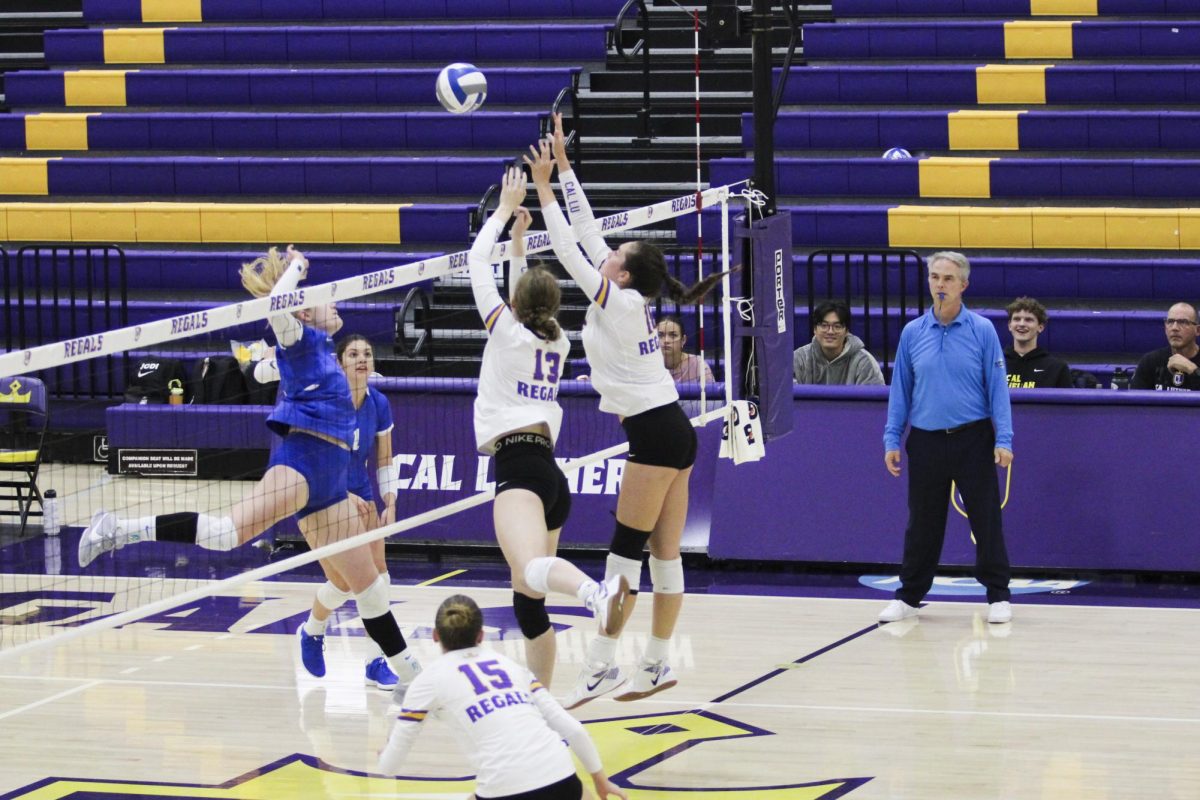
(404, 679)
(593, 682)
(896, 611)
(607, 602)
(100, 536)
(650, 678)
(999, 613)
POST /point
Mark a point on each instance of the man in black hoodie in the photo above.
(1030, 366)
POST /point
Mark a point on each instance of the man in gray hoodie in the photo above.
(835, 356)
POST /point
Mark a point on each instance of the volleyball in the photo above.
(896, 153)
(461, 88)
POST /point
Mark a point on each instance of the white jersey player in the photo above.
(628, 371)
(517, 419)
(507, 723)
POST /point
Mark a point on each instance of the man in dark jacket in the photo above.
(1030, 366)
(1176, 367)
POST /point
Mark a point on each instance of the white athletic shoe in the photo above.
(594, 681)
(896, 611)
(651, 678)
(100, 536)
(607, 602)
(999, 613)
(405, 679)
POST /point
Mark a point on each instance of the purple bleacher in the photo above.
(208, 176)
(12, 132)
(279, 10)
(998, 8)
(522, 85)
(377, 44)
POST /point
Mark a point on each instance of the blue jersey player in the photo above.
(307, 474)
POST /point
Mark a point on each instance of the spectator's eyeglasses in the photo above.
(1178, 323)
(831, 327)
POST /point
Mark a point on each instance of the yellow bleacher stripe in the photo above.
(135, 46)
(1068, 227)
(984, 130)
(171, 11)
(1011, 83)
(995, 227)
(1053, 8)
(955, 177)
(923, 226)
(1037, 39)
(3, 224)
(24, 176)
(201, 222)
(56, 131)
(18, 456)
(1044, 227)
(1140, 228)
(91, 87)
(1189, 228)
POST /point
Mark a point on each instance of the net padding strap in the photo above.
(226, 316)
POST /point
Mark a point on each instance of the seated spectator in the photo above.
(835, 356)
(1030, 366)
(1176, 367)
(684, 367)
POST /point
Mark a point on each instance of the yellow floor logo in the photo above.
(629, 745)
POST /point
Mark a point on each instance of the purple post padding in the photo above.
(770, 261)
(1064, 511)
(112, 10)
(34, 89)
(12, 131)
(250, 131)
(1073, 84)
(212, 427)
(902, 40)
(74, 46)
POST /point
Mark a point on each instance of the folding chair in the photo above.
(23, 420)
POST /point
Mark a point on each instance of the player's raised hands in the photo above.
(541, 166)
(512, 191)
(559, 142)
(295, 255)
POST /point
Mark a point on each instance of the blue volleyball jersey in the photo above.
(374, 417)
(313, 391)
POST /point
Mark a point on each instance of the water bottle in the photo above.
(50, 521)
(1120, 378)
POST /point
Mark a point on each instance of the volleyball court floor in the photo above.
(788, 689)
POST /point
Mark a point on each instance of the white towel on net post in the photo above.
(741, 435)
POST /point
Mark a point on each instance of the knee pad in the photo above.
(628, 542)
(373, 601)
(331, 597)
(629, 567)
(531, 615)
(537, 573)
(666, 575)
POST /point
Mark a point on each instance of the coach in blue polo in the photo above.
(950, 384)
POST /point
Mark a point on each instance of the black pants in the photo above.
(935, 458)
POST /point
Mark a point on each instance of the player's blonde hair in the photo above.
(458, 622)
(260, 275)
(535, 303)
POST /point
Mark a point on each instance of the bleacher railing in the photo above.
(884, 279)
(52, 293)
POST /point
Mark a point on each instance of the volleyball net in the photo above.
(194, 437)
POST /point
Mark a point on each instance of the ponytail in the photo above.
(536, 299)
(458, 622)
(648, 270)
(260, 275)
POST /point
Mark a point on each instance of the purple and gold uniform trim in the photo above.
(409, 715)
(601, 297)
(536, 685)
(492, 316)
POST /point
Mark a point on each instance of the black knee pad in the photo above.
(629, 542)
(531, 615)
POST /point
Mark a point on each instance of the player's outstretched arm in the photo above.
(288, 329)
(577, 738)
(483, 283)
(516, 261)
(583, 220)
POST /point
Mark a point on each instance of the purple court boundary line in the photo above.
(803, 659)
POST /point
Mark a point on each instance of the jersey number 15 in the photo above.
(496, 677)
